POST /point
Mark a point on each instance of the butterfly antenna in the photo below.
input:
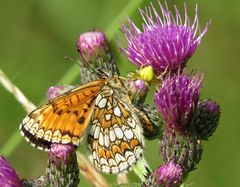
(69, 59)
(90, 67)
(114, 67)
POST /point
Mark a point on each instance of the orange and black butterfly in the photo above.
(103, 110)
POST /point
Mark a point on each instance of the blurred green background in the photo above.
(35, 36)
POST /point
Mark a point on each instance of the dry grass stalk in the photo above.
(16, 92)
(88, 170)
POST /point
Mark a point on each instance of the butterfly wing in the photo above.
(64, 119)
(115, 140)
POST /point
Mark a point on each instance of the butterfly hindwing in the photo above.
(115, 139)
(64, 119)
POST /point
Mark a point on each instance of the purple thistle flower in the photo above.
(166, 42)
(8, 176)
(169, 174)
(177, 99)
(91, 45)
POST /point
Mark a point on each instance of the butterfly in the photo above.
(103, 110)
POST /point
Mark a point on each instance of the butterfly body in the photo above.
(103, 110)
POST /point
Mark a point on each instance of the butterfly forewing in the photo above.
(115, 137)
(64, 119)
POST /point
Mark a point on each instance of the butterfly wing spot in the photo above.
(112, 162)
(123, 166)
(34, 128)
(75, 141)
(105, 168)
(112, 135)
(94, 155)
(57, 135)
(108, 117)
(92, 129)
(129, 154)
(28, 124)
(124, 146)
(128, 134)
(131, 122)
(47, 135)
(97, 132)
(59, 112)
(103, 161)
(98, 98)
(101, 140)
(27, 139)
(132, 159)
(81, 120)
(106, 140)
(134, 143)
(115, 169)
(25, 120)
(119, 158)
(66, 139)
(102, 103)
(40, 133)
(117, 111)
(21, 131)
(138, 131)
(109, 105)
(118, 132)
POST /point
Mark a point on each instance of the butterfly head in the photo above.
(102, 73)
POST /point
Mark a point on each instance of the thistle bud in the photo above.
(62, 168)
(206, 119)
(92, 45)
(138, 90)
(167, 175)
(94, 49)
(182, 149)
